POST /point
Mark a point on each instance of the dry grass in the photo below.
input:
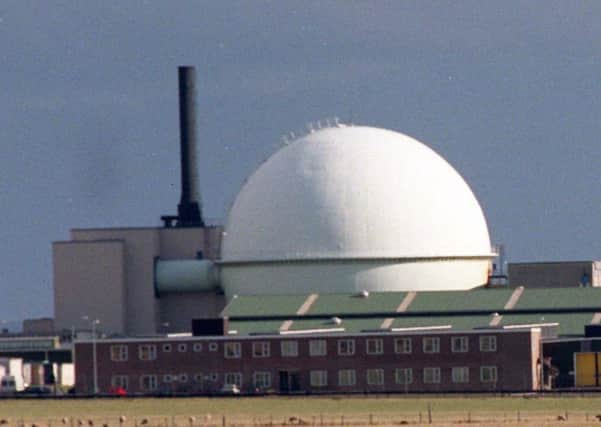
(308, 411)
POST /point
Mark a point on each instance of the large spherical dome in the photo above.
(352, 208)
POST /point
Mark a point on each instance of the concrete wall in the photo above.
(108, 274)
(515, 358)
(554, 274)
(89, 280)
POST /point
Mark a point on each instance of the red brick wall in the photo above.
(515, 359)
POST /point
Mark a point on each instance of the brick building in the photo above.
(315, 362)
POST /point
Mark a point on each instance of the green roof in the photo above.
(481, 299)
(559, 298)
(456, 322)
(264, 305)
(569, 323)
(255, 327)
(349, 325)
(353, 303)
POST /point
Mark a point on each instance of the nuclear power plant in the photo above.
(352, 259)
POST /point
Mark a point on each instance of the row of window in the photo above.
(318, 378)
(317, 347)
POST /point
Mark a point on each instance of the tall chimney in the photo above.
(189, 209)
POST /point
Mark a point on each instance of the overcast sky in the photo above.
(508, 92)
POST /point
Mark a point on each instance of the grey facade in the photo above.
(565, 274)
(108, 274)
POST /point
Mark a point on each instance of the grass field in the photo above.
(272, 411)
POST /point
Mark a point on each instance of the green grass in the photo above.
(284, 406)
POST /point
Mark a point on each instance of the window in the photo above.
(488, 374)
(346, 347)
(317, 348)
(346, 377)
(166, 348)
(375, 376)
(148, 382)
(459, 344)
(374, 346)
(183, 378)
(119, 353)
(262, 380)
(402, 345)
(488, 343)
(147, 352)
(168, 378)
(319, 378)
(233, 378)
(213, 346)
(431, 344)
(289, 348)
(213, 376)
(403, 376)
(232, 350)
(120, 381)
(197, 347)
(261, 349)
(460, 374)
(431, 375)
(182, 347)
(198, 378)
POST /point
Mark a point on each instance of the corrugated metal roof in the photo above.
(481, 299)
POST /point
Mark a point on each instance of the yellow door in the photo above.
(585, 369)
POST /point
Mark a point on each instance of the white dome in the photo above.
(377, 204)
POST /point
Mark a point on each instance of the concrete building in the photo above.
(563, 274)
(109, 275)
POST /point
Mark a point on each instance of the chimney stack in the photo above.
(189, 210)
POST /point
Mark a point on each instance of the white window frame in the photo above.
(147, 351)
(121, 381)
(318, 378)
(347, 377)
(489, 374)
(403, 345)
(168, 378)
(232, 378)
(197, 347)
(403, 376)
(213, 346)
(289, 348)
(346, 347)
(374, 346)
(182, 347)
(262, 379)
(166, 348)
(119, 353)
(182, 378)
(460, 374)
(431, 345)
(152, 382)
(261, 349)
(431, 375)
(488, 343)
(459, 344)
(199, 377)
(374, 376)
(318, 347)
(232, 350)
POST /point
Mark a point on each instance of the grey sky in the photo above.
(508, 92)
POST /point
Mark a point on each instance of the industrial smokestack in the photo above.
(189, 210)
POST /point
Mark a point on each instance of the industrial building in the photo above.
(344, 234)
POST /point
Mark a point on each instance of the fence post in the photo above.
(429, 413)
(371, 419)
(223, 421)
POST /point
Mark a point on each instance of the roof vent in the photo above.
(336, 320)
(364, 293)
